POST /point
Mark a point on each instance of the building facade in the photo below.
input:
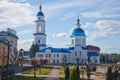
(78, 52)
(3, 53)
(10, 38)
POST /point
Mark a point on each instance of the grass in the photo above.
(80, 79)
(61, 70)
(44, 71)
(23, 78)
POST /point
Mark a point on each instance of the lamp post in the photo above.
(40, 65)
(8, 44)
(88, 68)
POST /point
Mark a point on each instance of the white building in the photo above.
(77, 52)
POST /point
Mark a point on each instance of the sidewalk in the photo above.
(54, 75)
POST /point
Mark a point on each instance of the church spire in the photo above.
(78, 22)
(40, 8)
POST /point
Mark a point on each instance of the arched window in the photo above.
(80, 53)
(38, 41)
(75, 53)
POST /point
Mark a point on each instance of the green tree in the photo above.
(33, 49)
(78, 73)
(73, 75)
(109, 73)
(67, 73)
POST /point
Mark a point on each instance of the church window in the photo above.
(57, 61)
(75, 53)
(49, 55)
(54, 61)
(38, 41)
(57, 55)
(41, 55)
(46, 55)
(54, 55)
(80, 53)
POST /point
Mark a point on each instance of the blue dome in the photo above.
(40, 14)
(78, 32)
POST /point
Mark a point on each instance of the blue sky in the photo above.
(100, 20)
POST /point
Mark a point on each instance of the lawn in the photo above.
(80, 79)
(61, 70)
(23, 78)
(44, 70)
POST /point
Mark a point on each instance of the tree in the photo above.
(33, 50)
(109, 73)
(78, 73)
(67, 73)
(73, 75)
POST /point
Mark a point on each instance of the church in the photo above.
(78, 52)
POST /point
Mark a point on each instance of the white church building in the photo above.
(77, 52)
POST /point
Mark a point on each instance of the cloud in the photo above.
(67, 16)
(91, 14)
(98, 15)
(25, 44)
(24, 32)
(54, 8)
(15, 14)
(59, 35)
(105, 29)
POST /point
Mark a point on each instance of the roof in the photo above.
(3, 33)
(40, 13)
(90, 47)
(39, 34)
(2, 41)
(93, 54)
(78, 32)
(56, 50)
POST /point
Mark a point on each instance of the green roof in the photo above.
(2, 41)
(12, 35)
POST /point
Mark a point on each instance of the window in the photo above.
(49, 55)
(54, 61)
(80, 53)
(46, 55)
(40, 55)
(38, 41)
(54, 55)
(57, 61)
(75, 53)
(57, 55)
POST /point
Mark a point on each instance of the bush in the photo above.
(73, 75)
(109, 73)
(67, 73)
(78, 73)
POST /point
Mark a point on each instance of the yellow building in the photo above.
(3, 53)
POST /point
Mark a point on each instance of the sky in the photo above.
(100, 19)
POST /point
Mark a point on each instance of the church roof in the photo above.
(59, 50)
(93, 54)
(40, 13)
(56, 50)
(91, 47)
(78, 32)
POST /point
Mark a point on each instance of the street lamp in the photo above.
(40, 64)
(88, 67)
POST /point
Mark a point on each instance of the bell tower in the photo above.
(39, 35)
